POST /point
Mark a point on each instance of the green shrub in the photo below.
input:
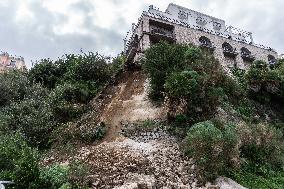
(46, 73)
(192, 54)
(192, 80)
(18, 162)
(214, 150)
(54, 177)
(201, 96)
(117, 65)
(78, 175)
(87, 67)
(262, 157)
(247, 179)
(68, 101)
(246, 108)
(33, 118)
(13, 86)
(161, 60)
(183, 84)
(262, 146)
(265, 85)
(240, 75)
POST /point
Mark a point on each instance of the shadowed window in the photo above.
(271, 59)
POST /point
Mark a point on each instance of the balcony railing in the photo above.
(232, 53)
(162, 31)
(208, 46)
(248, 57)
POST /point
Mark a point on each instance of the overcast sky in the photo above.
(38, 29)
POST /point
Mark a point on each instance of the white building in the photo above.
(8, 62)
(230, 45)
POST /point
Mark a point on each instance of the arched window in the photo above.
(246, 55)
(205, 41)
(229, 51)
(271, 59)
(227, 47)
(245, 52)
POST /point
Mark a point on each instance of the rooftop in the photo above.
(192, 19)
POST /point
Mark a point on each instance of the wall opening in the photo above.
(229, 51)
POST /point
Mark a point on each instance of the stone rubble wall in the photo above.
(143, 134)
(188, 35)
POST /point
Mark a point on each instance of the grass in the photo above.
(253, 181)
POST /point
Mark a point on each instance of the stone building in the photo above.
(8, 62)
(230, 45)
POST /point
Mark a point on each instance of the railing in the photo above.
(163, 16)
(248, 57)
(208, 46)
(230, 52)
(161, 31)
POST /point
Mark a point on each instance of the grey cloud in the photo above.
(36, 38)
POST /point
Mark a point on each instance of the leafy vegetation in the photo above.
(38, 109)
(214, 148)
(188, 78)
(18, 162)
(37, 105)
(13, 87)
(265, 84)
(193, 86)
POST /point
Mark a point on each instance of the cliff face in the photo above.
(138, 151)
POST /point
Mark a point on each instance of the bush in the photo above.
(183, 84)
(266, 85)
(54, 177)
(117, 65)
(13, 87)
(91, 68)
(192, 80)
(161, 60)
(87, 67)
(246, 109)
(32, 118)
(262, 157)
(68, 101)
(262, 145)
(214, 148)
(250, 180)
(46, 73)
(18, 162)
(78, 175)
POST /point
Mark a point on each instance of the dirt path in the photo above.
(128, 103)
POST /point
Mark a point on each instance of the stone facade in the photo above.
(8, 62)
(231, 46)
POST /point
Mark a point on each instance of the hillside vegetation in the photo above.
(234, 125)
(229, 126)
(36, 108)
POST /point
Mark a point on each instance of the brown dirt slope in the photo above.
(125, 100)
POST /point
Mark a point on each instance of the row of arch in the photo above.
(229, 50)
